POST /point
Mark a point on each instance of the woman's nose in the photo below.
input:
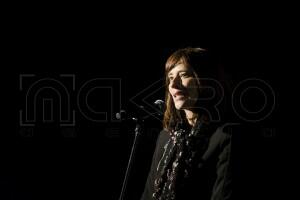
(176, 82)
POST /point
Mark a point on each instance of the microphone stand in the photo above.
(138, 132)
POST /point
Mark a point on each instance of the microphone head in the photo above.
(159, 102)
(161, 105)
(142, 113)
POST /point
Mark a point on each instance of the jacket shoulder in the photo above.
(223, 134)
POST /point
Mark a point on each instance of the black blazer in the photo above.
(213, 179)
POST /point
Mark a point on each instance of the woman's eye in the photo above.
(184, 75)
(171, 78)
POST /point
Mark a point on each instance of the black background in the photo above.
(88, 160)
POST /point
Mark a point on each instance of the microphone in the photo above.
(160, 104)
(140, 119)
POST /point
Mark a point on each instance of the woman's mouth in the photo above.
(179, 94)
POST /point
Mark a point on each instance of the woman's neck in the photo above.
(191, 117)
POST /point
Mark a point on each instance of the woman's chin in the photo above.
(179, 105)
(184, 105)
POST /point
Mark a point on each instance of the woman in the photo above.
(192, 156)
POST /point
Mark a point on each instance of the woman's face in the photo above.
(183, 87)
